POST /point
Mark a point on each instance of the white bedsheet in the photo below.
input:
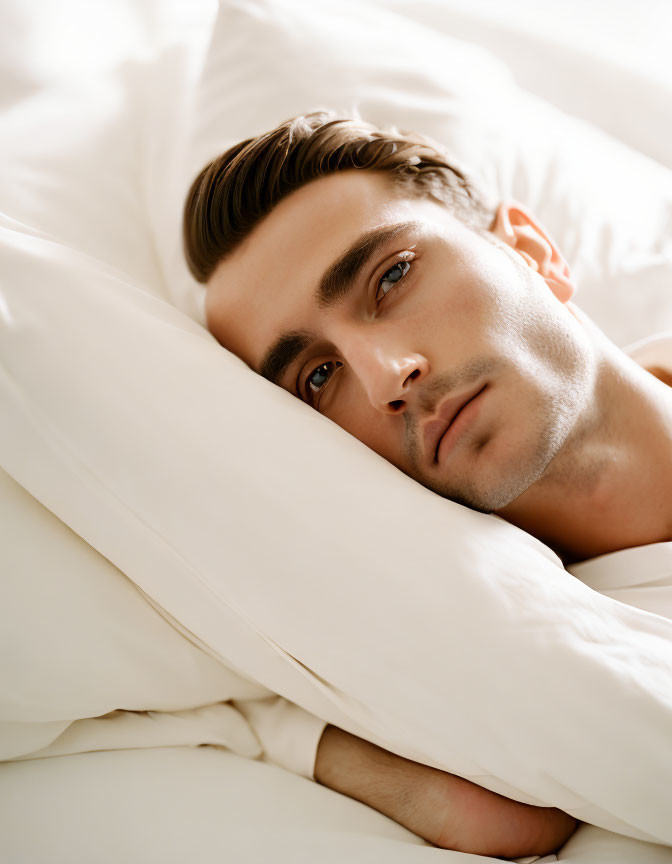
(176, 805)
(640, 577)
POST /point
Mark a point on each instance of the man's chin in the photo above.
(487, 494)
(495, 494)
(473, 505)
(466, 497)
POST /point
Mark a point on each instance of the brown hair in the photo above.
(237, 189)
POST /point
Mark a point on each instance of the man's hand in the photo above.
(446, 810)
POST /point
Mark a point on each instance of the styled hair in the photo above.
(235, 191)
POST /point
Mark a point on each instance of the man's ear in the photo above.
(517, 227)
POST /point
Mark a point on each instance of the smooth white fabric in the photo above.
(122, 416)
(79, 640)
(584, 58)
(640, 577)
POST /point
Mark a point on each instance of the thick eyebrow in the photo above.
(335, 284)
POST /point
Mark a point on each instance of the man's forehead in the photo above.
(266, 285)
(269, 288)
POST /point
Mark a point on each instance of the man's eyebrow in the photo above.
(341, 276)
(337, 281)
(283, 352)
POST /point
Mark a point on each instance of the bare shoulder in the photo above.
(663, 373)
(655, 355)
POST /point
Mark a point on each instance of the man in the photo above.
(363, 273)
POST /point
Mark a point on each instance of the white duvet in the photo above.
(122, 417)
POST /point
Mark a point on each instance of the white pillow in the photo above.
(79, 640)
(607, 63)
(81, 84)
(166, 454)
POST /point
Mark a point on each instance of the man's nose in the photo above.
(387, 370)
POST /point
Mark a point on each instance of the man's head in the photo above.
(361, 272)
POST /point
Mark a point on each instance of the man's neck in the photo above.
(610, 487)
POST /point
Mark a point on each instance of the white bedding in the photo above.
(184, 804)
(90, 253)
(176, 802)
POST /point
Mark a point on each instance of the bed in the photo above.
(164, 683)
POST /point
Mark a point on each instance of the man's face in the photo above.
(388, 315)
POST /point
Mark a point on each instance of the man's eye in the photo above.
(317, 379)
(321, 375)
(391, 278)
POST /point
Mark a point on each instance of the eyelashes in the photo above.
(320, 376)
(323, 371)
(400, 269)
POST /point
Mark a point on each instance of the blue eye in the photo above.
(320, 376)
(393, 276)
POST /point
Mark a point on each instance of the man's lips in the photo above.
(441, 422)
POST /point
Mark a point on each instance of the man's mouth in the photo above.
(445, 419)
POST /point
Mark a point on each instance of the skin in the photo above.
(569, 439)
(446, 810)
(572, 440)
(373, 395)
